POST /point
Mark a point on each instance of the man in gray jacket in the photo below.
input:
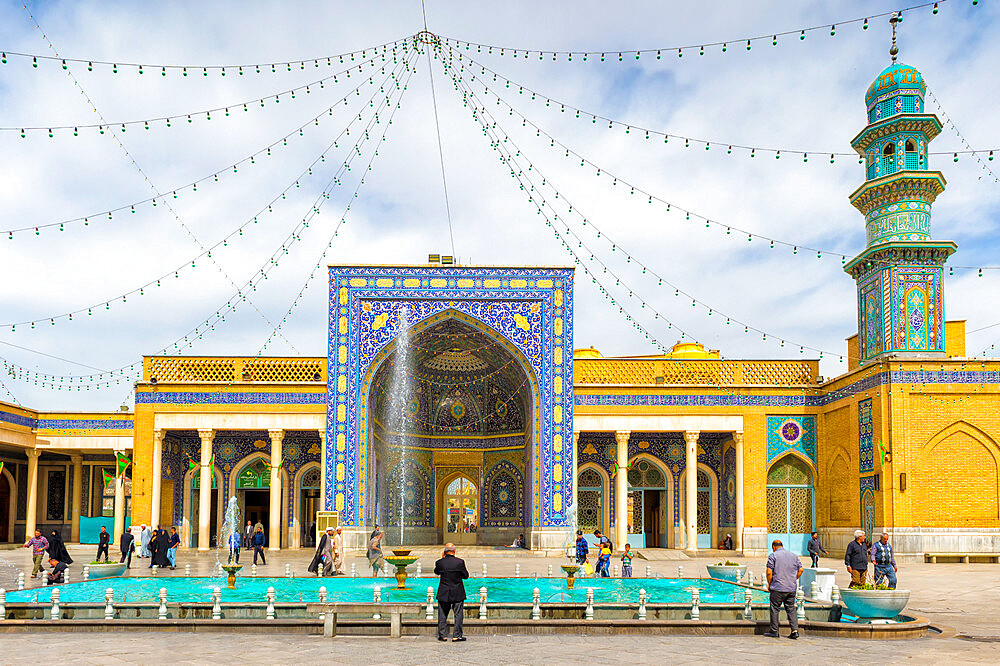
(783, 571)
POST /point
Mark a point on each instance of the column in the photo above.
(119, 507)
(274, 520)
(621, 490)
(154, 495)
(204, 491)
(31, 514)
(74, 500)
(691, 490)
(576, 473)
(738, 443)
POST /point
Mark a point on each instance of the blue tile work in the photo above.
(867, 492)
(228, 398)
(17, 419)
(530, 310)
(727, 490)
(601, 449)
(866, 444)
(84, 424)
(797, 400)
(470, 443)
(503, 496)
(791, 433)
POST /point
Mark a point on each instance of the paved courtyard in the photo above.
(960, 599)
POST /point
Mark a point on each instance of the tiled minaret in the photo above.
(900, 271)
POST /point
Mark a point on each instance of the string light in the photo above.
(584, 161)
(771, 36)
(274, 260)
(328, 61)
(505, 140)
(251, 159)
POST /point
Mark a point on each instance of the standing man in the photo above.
(338, 554)
(815, 547)
(884, 561)
(783, 571)
(172, 545)
(39, 545)
(104, 539)
(235, 541)
(856, 559)
(451, 592)
(582, 549)
(248, 535)
(258, 544)
(145, 536)
(128, 547)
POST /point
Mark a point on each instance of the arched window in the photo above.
(590, 501)
(912, 157)
(790, 504)
(890, 149)
(888, 164)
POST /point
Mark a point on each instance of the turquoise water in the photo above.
(498, 590)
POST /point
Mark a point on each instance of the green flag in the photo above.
(192, 464)
(108, 476)
(1, 466)
(280, 463)
(123, 462)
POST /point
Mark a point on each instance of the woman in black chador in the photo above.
(158, 547)
(57, 549)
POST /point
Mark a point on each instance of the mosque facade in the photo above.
(452, 405)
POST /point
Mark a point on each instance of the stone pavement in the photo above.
(962, 599)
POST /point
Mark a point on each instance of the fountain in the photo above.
(399, 391)
(571, 568)
(401, 559)
(231, 527)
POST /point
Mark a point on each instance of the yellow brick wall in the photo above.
(837, 501)
(755, 469)
(142, 465)
(948, 447)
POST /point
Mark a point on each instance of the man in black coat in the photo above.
(451, 592)
(102, 544)
(128, 547)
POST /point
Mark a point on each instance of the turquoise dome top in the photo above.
(896, 78)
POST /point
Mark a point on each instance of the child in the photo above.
(604, 561)
(627, 562)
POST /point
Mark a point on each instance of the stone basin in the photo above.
(105, 570)
(875, 604)
(570, 570)
(402, 552)
(733, 573)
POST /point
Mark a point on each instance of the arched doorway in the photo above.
(461, 511)
(647, 505)
(707, 503)
(253, 493)
(194, 504)
(591, 501)
(309, 503)
(449, 397)
(791, 506)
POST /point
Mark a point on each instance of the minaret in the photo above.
(900, 271)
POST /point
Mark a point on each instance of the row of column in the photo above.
(207, 437)
(691, 487)
(31, 515)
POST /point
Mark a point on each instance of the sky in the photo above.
(801, 96)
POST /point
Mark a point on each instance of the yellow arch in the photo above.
(797, 454)
(363, 398)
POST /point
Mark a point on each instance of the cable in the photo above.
(961, 138)
(436, 44)
(232, 303)
(204, 69)
(190, 116)
(495, 126)
(553, 141)
(207, 251)
(621, 52)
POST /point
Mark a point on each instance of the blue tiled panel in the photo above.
(17, 419)
(84, 424)
(866, 444)
(791, 433)
(228, 398)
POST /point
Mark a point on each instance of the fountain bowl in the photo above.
(401, 562)
(231, 570)
(402, 552)
(570, 570)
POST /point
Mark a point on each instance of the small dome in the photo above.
(897, 78)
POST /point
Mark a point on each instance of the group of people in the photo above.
(252, 537)
(329, 557)
(158, 545)
(861, 552)
(604, 549)
(59, 558)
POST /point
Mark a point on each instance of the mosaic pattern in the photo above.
(727, 493)
(791, 433)
(866, 444)
(416, 504)
(867, 488)
(527, 310)
(17, 419)
(503, 503)
(84, 424)
(228, 398)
